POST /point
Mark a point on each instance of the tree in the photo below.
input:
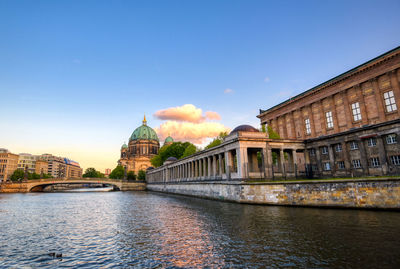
(131, 175)
(117, 173)
(17, 175)
(33, 176)
(93, 173)
(176, 149)
(190, 150)
(217, 141)
(142, 175)
(272, 134)
(46, 176)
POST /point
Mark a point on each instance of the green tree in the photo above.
(131, 175)
(142, 175)
(93, 173)
(217, 141)
(117, 173)
(190, 150)
(176, 149)
(272, 134)
(263, 128)
(46, 176)
(33, 176)
(17, 175)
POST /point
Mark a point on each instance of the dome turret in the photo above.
(244, 128)
(168, 140)
(124, 146)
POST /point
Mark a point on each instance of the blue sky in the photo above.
(76, 77)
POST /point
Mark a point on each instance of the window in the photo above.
(327, 166)
(356, 111)
(371, 142)
(390, 102)
(391, 139)
(356, 163)
(312, 152)
(308, 126)
(353, 145)
(375, 162)
(329, 119)
(395, 159)
(341, 165)
(324, 150)
(338, 147)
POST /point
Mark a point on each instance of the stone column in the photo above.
(380, 143)
(294, 157)
(395, 87)
(221, 164)
(332, 159)
(204, 167)
(243, 162)
(209, 167)
(281, 161)
(214, 166)
(195, 169)
(379, 99)
(227, 168)
(363, 154)
(318, 157)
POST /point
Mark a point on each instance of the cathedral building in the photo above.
(143, 145)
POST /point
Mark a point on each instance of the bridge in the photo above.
(39, 185)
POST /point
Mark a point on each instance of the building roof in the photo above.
(244, 128)
(144, 132)
(337, 78)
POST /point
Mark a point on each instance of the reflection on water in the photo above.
(140, 229)
(103, 189)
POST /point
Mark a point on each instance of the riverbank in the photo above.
(382, 193)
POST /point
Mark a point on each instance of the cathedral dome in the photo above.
(244, 128)
(144, 132)
(124, 146)
(168, 140)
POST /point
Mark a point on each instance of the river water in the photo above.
(150, 230)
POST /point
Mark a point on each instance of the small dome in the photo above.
(168, 140)
(124, 146)
(244, 128)
(171, 159)
(150, 168)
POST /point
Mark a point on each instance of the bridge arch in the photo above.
(38, 186)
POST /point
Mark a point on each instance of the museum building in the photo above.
(350, 124)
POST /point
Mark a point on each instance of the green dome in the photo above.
(144, 132)
(124, 146)
(168, 140)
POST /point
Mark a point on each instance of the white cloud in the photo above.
(227, 91)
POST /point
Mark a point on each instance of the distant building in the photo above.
(8, 164)
(143, 145)
(41, 167)
(73, 169)
(57, 168)
(350, 124)
(107, 172)
(168, 141)
(27, 161)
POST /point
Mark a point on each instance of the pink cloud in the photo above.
(196, 133)
(211, 115)
(186, 112)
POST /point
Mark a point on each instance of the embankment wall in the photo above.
(361, 193)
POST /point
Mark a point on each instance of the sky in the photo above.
(77, 77)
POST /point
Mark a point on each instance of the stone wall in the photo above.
(367, 193)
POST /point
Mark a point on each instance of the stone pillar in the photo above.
(267, 161)
(214, 166)
(363, 154)
(282, 161)
(346, 155)
(379, 99)
(395, 87)
(221, 164)
(195, 169)
(332, 159)
(318, 157)
(226, 164)
(380, 143)
(294, 157)
(243, 162)
(209, 167)
(204, 167)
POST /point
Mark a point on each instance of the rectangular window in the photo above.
(371, 142)
(353, 145)
(327, 166)
(390, 102)
(355, 108)
(391, 139)
(308, 126)
(312, 152)
(329, 119)
(395, 159)
(375, 162)
(356, 163)
(324, 150)
(341, 165)
(338, 147)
